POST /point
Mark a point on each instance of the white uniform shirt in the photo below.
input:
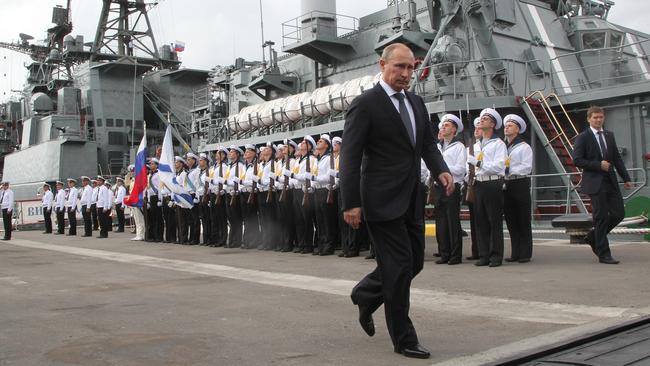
(47, 200)
(119, 198)
(492, 153)
(73, 196)
(60, 200)
(203, 178)
(93, 198)
(231, 172)
(247, 182)
(424, 171)
(103, 198)
(154, 186)
(520, 158)
(218, 178)
(322, 177)
(111, 198)
(264, 172)
(8, 199)
(454, 155)
(193, 180)
(86, 195)
(302, 175)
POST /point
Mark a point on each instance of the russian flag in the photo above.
(179, 46)
(136, 197)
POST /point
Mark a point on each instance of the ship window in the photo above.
(115, 138)
(615, 39)
(593, 40)
(129, 123)
(119, 123)
(109, 122)
(99, 122)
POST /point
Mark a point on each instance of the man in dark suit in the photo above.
(387, 130)
(595, 152)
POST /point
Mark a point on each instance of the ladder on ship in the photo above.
(164, 111)
(557, 133)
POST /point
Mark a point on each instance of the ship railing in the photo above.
(459, 79)
(604, 68)
(294, 29)
(560, 196)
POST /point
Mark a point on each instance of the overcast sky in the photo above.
(214, 31)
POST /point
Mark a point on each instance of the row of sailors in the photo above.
(96, 198)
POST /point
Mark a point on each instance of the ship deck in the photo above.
(70, 301)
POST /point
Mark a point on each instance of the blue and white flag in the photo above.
(168, 176)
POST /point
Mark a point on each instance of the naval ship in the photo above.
(547, 60)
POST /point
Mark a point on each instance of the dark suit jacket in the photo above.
(587, 156)
(375, 140)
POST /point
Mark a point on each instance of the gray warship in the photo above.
(547, 60)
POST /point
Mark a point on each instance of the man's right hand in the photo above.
(604, 165)
(352, 217)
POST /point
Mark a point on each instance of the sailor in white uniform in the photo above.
(59, 208)
(120, 193)
(47, 202)
(86, 199)
(71, 206)
(517, 200)
(7, 209)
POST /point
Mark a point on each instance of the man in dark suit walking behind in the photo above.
(595, 152)
(387, 130)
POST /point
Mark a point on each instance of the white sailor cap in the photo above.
(154, 160)
(272, 146)
(131, 168)
(337, 140)
(71, 180)
(477, 121)
(291, 142)
(107, 183)
(327, 138)
(46, 184)
(517, 120)
(83, 177)
(495, 115)
(250, 147)
(280, 146)
(222, 149)
(191, 155)
(58, 182)
(310, 140)
(203, 156)
(119, 179)
(4, 182)
(236, 148)
(180, 158)
(454, 119)
(99, 177)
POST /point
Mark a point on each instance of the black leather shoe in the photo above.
(369, 256)
(512, 259)
(365, 319)
(482, 263)
(442, 261)
(436, 254)
(589, 238)
(608, 260)
(473, 258)
(351, 254)
(494, 264)
(341, 255)
(415, 351)
(524, 260)
(454, 262)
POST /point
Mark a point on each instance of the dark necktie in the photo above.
(603, 147)
(406, 119)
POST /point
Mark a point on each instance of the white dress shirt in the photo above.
(93, 198)
(391, 93)
(103, 199)
(73, 196)
(87, 195)
(60, 200)
(8, 199)
(119, 198)
(47, 200)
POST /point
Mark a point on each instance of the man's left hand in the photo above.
(628, 185)
(448, 182)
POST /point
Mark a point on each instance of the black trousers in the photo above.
(448, 230)
(154, 220)
(399, 251)
(72, 220)
(6, 220)
(516, 210)
(204, 215)
(93, 214)
(269, 223)
(252, 237)
(60, 221)
(285, 215)
(183, 217)
(473, 228)
(326, 219)
(219, 221)
(298, 219)
(169, 217)
(47, 217)
(104, 219)
(119, 211)
(235, 220)
(88, 225)
(194, 223)
(309, 222)
(607, 210)
(489, 219)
